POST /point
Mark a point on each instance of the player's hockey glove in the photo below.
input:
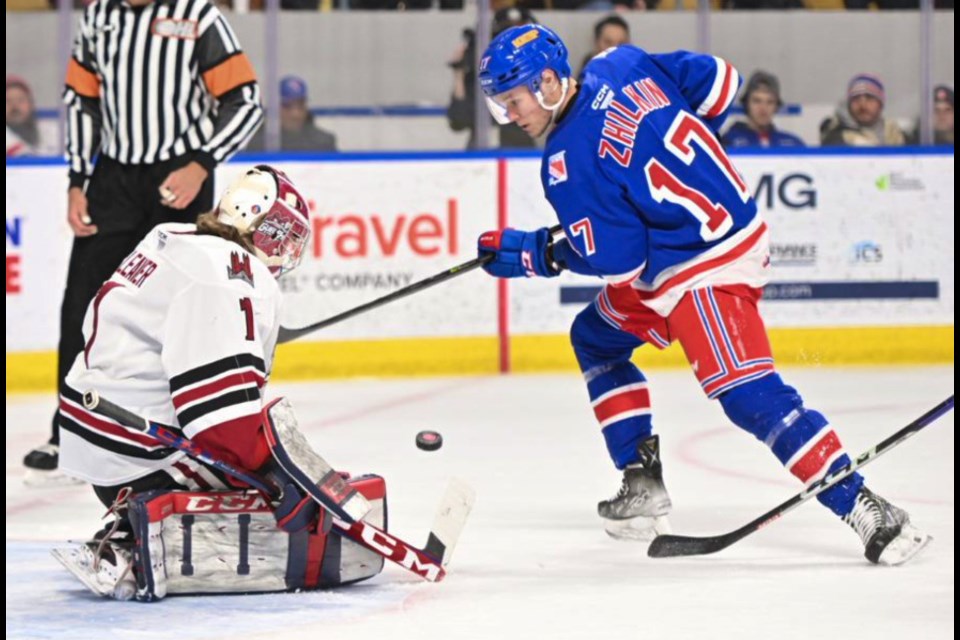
(293, 509)
(518, 254)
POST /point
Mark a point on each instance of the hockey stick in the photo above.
(668, 545)
(286, 335)
(429, 563)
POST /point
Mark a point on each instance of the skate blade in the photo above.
(73, 561)
(909, 543)
(638, 529)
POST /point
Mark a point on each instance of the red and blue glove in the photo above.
(518, 254)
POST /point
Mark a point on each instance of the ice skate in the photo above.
(42, 466)
(639, 510)
(104, 567)
(887, 535)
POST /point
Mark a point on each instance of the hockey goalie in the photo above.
(183, 334)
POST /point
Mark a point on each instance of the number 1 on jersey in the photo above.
(246, 306)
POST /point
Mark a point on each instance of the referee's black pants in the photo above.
(124, 203)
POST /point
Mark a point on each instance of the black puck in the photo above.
(429, 440)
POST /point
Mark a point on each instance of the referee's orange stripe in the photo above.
(229, 74)
(84, 82)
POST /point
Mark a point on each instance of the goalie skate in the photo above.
(106, 569)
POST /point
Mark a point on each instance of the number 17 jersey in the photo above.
(639, 180)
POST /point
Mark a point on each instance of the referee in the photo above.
(160, 92)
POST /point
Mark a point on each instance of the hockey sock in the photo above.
(618, 391)
(802, 439)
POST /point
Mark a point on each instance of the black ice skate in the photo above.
(639, 510)
(886, 532)
(42, 466)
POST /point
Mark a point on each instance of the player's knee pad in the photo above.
(759, 406)
(597, 343)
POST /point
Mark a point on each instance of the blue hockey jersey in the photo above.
(646, 194)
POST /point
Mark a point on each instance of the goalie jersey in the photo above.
(183, 334)
(646, 195)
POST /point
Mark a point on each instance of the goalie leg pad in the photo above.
(306, 467)
(227, 542)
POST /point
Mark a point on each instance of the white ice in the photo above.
(534, 561)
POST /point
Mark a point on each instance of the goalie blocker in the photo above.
(228, 542)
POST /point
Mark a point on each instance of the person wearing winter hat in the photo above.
(25, 136)
(298, 132)
(760, 100)
(859, 122)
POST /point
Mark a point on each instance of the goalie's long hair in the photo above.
(208, 225)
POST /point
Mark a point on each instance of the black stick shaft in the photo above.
(668, 545)
(286, 335)
(93, 402)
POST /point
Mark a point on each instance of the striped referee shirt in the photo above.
(150, 83)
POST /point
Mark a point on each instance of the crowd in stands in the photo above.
(535, 5)
(859, 119)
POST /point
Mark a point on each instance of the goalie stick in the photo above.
(669, 545)
(286, 335)
(429, 563)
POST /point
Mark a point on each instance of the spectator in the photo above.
(942, 118)
(943, 115)
(24, 135)
(860, 122)
(611, 31)
(760, 100)
(297, 130)
(461, 113)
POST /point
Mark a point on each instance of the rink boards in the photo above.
(862, 249)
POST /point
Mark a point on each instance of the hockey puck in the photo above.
(429, 440)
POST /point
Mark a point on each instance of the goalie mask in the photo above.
(264, 204)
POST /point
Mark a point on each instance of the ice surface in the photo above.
(533, 561)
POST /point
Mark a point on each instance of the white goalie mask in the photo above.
(265, 204)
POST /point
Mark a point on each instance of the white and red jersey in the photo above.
(183, 333)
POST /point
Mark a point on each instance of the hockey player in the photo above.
(184, 333)
(650, 202)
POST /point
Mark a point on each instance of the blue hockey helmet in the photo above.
(519, 56)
